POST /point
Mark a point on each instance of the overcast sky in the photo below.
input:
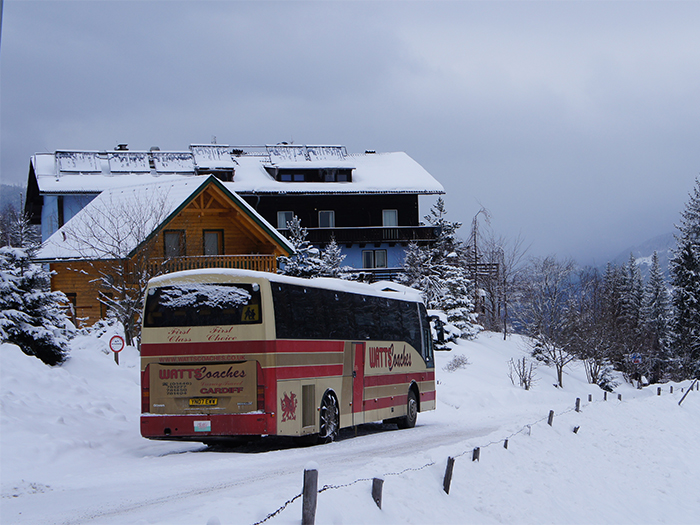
(576, 124)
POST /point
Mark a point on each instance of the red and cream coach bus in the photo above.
(233, 353)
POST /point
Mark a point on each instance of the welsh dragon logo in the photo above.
(289, 406)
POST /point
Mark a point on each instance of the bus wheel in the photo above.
(409, 421)
(329, 419)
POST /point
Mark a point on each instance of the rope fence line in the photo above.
(450, 460)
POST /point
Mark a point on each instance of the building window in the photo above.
(213, 242)
(283, 217)
(374, 259)
(61, 211)
(390, 218)
(326, 219)
(174, 243)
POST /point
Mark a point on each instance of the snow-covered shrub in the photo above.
(31, 316)
(457, 362)
(606, 379)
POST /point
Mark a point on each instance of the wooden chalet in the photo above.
(368, 202)
(183, 223)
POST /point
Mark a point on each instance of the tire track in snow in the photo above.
(354, 454)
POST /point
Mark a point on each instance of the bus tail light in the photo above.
(145, 391)
(261, 397)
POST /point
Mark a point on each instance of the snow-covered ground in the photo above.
(72, 453)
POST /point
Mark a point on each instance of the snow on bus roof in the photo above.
(379, 289)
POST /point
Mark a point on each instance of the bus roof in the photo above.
(386, 289)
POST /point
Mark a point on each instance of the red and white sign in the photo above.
(116, 344)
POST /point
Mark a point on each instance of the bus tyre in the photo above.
(409, 421)
(329, 419)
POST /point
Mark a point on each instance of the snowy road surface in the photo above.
(71, 453)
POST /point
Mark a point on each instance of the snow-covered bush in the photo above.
(457, 362)
(309, 261)
(31, 316)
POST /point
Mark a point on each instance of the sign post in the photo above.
(116, 345)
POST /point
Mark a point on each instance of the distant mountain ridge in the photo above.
(663, 245)
(10, 194)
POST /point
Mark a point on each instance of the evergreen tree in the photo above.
(306, 260)
(440, 274)
(456, 302)
(447, 241)
(613, 292)
(31, 316)
(655, 318)
(331, 262)
(16, 230)
(631, 336)
(685, 327)
(685, 271)
(421, 272)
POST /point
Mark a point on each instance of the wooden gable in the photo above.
(212, 209)
(247, 241)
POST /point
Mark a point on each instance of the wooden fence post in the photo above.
(551, 418)
(658, 391)
(605, 395)
(578, 404)
(308, 508)
(505, 444)
(377, 484)
(590, 397)
(619, 397)
(448, 475)
(476, 454)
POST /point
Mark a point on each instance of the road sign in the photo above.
(637, 359)
(116, 344)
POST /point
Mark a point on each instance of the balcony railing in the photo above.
(261, 263)
(372, 234)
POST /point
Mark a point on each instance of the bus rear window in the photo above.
(203, 304)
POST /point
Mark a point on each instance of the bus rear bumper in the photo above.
(198, 427)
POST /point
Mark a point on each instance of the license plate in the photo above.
(203, 401)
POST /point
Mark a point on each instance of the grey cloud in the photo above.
(574, 123)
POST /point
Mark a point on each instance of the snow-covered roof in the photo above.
(67, 171)
(128, 215)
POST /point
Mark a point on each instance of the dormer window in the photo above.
(310, 174)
